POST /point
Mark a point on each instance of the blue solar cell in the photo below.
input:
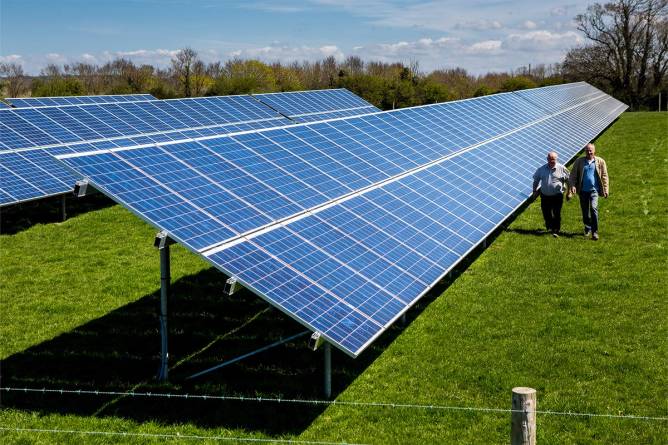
(48, 125)
(11, 139)
(37, 137)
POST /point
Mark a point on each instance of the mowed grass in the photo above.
(583, 322)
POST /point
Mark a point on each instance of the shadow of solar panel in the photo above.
(344, 224)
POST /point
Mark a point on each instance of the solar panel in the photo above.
(4, 105)
(49, 128)
(345, 224)
(29, 102)
(316, 105)
(158, 121)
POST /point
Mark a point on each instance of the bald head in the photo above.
(590, 151)
(552, 159)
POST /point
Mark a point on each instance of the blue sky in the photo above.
(480, 36)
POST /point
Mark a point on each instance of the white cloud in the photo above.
(487, 46)
(528, 24)
(406, 50)
(542, 40)
(12, 58)
(287, 53)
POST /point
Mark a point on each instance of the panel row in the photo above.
(349, 271)
(25, 124)
(38, 127)
(241, 183)
(407, 192)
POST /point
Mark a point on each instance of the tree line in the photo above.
(626, 55)
(386, 85)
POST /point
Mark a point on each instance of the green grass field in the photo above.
(583, 322)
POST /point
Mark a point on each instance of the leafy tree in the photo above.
(60, 86)
(518, 83)
(627, 53)
(371, 88)
(15, 81)
(483, 90)
(431, 92)
(183, 65)
(287, 78)
(245, 76)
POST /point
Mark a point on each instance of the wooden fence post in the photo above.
(523, 417)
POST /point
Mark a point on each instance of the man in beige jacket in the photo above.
(589, 179)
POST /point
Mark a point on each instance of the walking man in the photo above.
(589, 180)
(552, 179)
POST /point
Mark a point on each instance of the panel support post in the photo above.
(164, 295)
(162, 242)
(63, 208)
(523, 417)
(327, 349)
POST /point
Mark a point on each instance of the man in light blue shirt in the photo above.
(551, 179)
(589, 180)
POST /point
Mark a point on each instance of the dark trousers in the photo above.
(589, 207)
(551, 207)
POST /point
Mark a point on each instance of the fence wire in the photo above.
(363, 404)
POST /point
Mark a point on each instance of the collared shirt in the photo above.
(589, 180)
(552, 180)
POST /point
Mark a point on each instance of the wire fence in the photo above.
(258, 399)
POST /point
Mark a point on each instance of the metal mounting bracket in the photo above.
(162, 239)
(315, 341)
(231, 286)
(80, 188)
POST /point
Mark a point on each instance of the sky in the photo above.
(480, 36)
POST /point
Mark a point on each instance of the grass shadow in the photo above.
(120, 352)
(19, 217)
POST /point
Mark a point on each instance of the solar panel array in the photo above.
(317, 105)
(344, 224)
(28, 173)
(28, 102)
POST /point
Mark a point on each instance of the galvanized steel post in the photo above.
(165, 280)
(327, 348)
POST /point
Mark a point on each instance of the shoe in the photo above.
(555, 234)
(587, 232)
(594, 236)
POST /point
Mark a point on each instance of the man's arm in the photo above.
(604, 178)
(536, 180)
(573, 178)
